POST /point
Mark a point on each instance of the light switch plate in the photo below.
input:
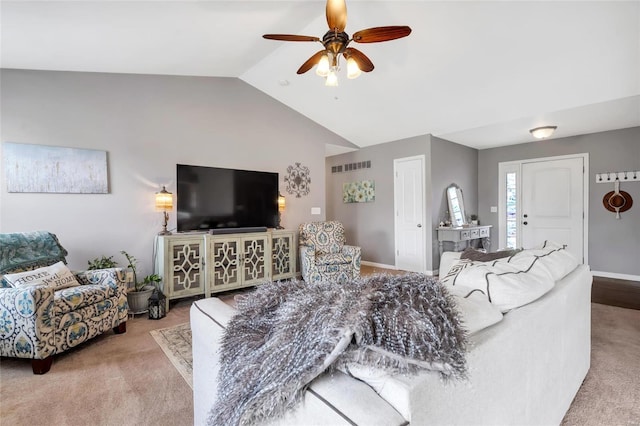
(494, 209)
(316, 210)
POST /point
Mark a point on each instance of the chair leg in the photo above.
(41, 366)
(120, 328)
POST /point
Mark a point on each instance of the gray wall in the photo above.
(452, 163)
(371, 225)
(147, 124)
(614, 245)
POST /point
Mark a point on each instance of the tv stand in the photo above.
(247, 230)
(203, 264)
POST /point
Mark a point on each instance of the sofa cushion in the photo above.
(74, 298)
(56, 276)
(476, 311)
(480, 256)
(514, 281)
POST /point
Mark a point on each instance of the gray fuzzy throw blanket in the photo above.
(286, 334)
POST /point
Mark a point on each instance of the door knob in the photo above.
(419, 225)
(524, 223)
(525, 215)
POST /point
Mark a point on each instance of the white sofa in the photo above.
(524, 370)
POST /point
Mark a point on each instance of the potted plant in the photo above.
(474, 219)
(138, 292)
(103, 262)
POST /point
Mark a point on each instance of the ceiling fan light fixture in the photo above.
(353, 71)
(323, 67)
(543, 132)
(332, 79)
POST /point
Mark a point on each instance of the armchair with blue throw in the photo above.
(39, 321)
(324, 256)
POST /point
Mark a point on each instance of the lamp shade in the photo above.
(332, 79)
(353, 71)
(323, 66)
(543, 132)
(164, 200)
(281, 203)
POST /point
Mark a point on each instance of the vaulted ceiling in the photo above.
(479, 73)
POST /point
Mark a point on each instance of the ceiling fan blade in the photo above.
(361, 59)
(336, 15)
(290, 37)
(311, 62)
(378, 34)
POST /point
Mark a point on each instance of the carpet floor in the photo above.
(141, 377)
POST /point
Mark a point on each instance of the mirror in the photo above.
(456, 206)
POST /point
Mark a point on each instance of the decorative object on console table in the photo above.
(455, 201)
(164, 204)
(474, 219)
(282, 204)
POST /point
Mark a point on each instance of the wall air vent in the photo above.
(350, 167)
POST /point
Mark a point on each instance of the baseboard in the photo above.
(393, 267)
(378, 265)
(615, 275)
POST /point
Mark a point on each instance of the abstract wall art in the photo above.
(42, 168)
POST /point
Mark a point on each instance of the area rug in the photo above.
(176, 344)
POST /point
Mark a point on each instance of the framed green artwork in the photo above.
(359, 192)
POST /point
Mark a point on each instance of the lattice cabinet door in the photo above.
(283, 255)
(256, 259)
(224, 258)
(180, 263)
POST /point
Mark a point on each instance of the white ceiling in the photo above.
(479, 73)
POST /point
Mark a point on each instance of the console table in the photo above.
(463, 234)
(202, 264)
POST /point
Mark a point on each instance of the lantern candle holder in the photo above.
(157, 305)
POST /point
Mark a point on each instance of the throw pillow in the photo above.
(480, 256)
(56, 276)
(476, 311)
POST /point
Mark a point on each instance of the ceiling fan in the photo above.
(336, 42)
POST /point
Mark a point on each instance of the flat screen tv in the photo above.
(211, 198)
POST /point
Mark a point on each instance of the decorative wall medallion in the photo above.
(359, 192)
(298, 180)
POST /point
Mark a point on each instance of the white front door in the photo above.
(553, 203)
(409, 213)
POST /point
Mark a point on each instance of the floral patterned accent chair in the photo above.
(38, 321)
(324, 255)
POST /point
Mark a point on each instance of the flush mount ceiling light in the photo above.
(543, 132)
(335, 43)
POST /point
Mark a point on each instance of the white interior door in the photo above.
(409, 213)
(553, 203)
